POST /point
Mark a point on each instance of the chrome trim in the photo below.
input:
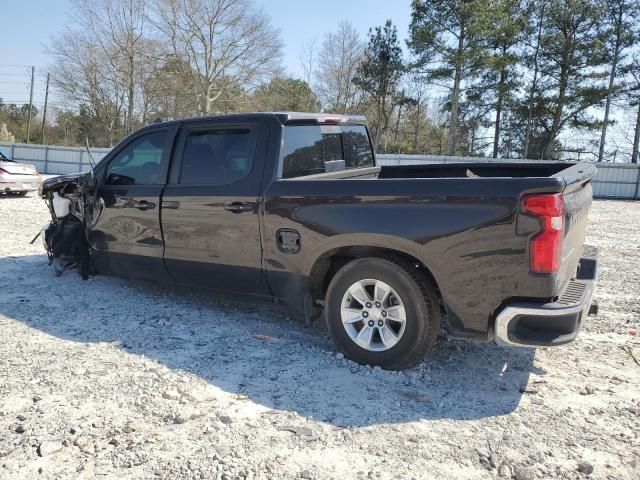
(505, 317)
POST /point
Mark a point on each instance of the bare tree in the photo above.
(120, 28)
(338, 60)
(308, 60)
(167, 89)
(227, 43)
(84, 76)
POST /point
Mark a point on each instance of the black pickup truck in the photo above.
(293, 207)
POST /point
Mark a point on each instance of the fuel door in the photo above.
(288, 240)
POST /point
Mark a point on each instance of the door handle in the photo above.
(169, 204)
(144, 205)
(129, 202)
(238, 207)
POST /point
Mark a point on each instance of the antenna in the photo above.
(91, 159)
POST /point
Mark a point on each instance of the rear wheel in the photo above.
(382, 312)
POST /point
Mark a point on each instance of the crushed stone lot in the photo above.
(111, 379)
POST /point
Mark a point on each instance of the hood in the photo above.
(56, 184)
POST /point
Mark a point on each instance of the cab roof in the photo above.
(319, 118)
(285, 118)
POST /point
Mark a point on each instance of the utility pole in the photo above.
(44, 111)
(33, 69)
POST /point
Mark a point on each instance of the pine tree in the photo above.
(379, 74)
(572, 52)
(501, 28)
(633, 95)
(620, 34)
(444, 40)
(531, 59)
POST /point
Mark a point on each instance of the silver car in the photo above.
(17, 178)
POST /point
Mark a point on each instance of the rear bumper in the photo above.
(19, 183)
(551, 324)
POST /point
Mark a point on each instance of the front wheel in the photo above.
(382, 312)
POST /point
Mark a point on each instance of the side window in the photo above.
(217, 156)
(140, 163)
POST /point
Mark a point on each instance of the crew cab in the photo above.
(292, 207)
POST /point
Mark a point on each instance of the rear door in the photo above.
(210, 208)
(125, 233)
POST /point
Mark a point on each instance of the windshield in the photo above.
(311, 149)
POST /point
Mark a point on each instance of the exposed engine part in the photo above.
(65, 238)
(67, 245)
(60, 205)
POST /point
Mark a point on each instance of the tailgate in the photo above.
(577, 195)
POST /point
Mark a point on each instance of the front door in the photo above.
(125, 229)
(210, 208)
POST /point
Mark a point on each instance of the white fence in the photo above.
(52, 159)
(614, 180)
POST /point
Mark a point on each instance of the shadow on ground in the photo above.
(12, 196)
(215, 338)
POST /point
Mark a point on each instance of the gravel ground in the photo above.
(109, 379)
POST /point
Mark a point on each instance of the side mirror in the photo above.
(116, 179)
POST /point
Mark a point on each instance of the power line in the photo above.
(8, 102)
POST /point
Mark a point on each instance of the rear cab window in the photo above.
(312, 149)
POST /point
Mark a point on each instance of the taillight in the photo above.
(545, 249)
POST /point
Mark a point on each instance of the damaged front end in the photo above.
(65, 238)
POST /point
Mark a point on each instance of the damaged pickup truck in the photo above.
(293, 207)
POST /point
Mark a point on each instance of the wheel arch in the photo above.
(330, 261)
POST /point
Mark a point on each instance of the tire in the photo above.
(390, 343)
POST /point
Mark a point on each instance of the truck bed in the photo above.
(463, 221)
(460, 170)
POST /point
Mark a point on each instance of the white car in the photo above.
(17, 178)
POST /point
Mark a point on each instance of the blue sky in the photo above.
(27, 26)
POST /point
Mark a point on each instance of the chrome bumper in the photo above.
(551, 324)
